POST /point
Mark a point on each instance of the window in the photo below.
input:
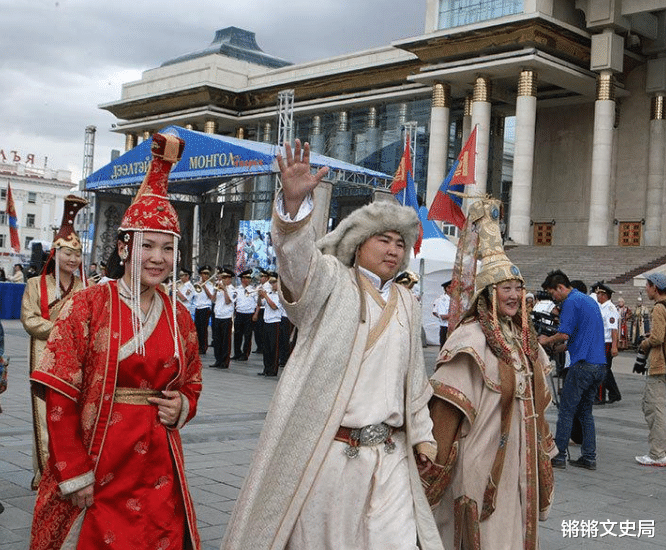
(3, 194)
(3, 218)
(32, 197)
(456, 13)
(28, 240)
(449, 230)
(3, 240)
(30, 220)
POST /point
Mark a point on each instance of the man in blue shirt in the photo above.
(582, 328)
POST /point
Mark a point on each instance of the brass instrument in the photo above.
(198, 287)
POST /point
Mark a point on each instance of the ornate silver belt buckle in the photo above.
(374, 434)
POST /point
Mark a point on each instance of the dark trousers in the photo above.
(609, 384)
(201, 320)
(258, 330)
(443, 332)
(222, 342)
(285, 340)
(243, 335)
(271, 348)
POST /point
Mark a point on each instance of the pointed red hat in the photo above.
(151, 209)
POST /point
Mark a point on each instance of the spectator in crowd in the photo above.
(610, 317)
(3, 276)
(654, 395)
(93, 275)
(623, 325)
(17, 276)
(440, 309)
(582, 328)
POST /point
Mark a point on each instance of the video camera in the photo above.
(545, 323)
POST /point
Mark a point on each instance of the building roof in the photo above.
(237, 44)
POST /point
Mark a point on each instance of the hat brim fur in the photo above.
(372, 219)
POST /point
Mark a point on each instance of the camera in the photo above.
(542, 295)
(544, 323)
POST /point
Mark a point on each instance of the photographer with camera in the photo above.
(654, 396)
(582, 328)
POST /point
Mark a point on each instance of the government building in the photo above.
(567, 97)
(39, 197)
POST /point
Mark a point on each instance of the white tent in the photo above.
(438, 256)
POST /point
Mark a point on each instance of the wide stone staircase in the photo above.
(616, 265)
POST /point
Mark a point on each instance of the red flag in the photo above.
(404, 190)
(466, 171)
(446, 207)
(404, 168)
(13, 221)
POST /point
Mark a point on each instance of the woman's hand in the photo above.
(297, 181)
(168, 407)
(83, 498)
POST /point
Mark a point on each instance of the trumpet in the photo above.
(219, 285)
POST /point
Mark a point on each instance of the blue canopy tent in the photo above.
(210, 159)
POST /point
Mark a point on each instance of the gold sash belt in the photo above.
(135, 396)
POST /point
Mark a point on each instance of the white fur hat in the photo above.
(372, 219)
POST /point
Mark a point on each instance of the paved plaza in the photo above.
(620, 505)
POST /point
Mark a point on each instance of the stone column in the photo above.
(317, 144)
(146, 135)
(467, 119)
(371, 133)
(481, 110)
(130, 141)
(189, 126)
(438, 149)
(342, 138)
(655, 181)
(602, 155)
(210, 127)
(523, 158)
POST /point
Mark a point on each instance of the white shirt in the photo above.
(272, 315)
(201, 299)
(610, 316)
(246, 299)
(222, 309)
(187, 290)
(441, 307)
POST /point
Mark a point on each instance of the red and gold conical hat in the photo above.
(151, 209)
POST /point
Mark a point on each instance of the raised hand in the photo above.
(297, 180)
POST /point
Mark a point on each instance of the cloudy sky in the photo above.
(61, 59)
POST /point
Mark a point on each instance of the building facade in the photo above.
(567, 97)
(38, 195)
